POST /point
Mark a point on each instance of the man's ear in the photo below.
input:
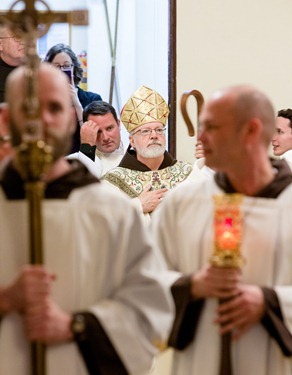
(253, 130)
(119, 123)
(132, 141)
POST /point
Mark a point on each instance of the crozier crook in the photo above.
(183, 106)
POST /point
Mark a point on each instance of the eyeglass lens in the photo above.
(65, 66)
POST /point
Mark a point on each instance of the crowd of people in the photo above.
(128, 235)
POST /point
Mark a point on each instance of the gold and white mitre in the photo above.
(144, 106)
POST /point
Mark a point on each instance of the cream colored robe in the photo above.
(183, 229)
(96, 244)
(102, 163)
(200, 170)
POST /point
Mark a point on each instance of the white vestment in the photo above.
(96, 244)
(200, 170)
(110, 160)
(183, 227)
(103, 161)
(288, 157)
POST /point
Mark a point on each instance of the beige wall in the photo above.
(228, 42)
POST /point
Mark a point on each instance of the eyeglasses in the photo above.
(65, 66)
(11, 37)
(148, 132)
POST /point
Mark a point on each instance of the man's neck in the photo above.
(249, 181)
(58, 169)
(151, 163)
(14, 62)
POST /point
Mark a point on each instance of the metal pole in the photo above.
(113, 48)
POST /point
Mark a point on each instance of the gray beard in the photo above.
(152, 152)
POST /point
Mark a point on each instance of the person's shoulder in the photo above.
(181, 169)
(116, 171)
(187, 198)
(190, 190)
(74, 155)
(288, 157)
(88, 96)
(93, 96)
(6, 66)
(105, 204)
(101, 194)
(200, 170)
(184, 163)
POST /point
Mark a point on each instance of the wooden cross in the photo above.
(30, 24)
(74, 17)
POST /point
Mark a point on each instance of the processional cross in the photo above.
(33, 155)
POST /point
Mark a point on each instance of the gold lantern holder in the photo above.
(227, 231)
(227, 254)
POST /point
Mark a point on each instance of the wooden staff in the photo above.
(183, 106)
(33, 155)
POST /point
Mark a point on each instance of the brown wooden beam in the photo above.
(74, 17)
(172, 77)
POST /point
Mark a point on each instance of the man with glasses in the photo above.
(147, 171)
(282, 139)
(11, 54)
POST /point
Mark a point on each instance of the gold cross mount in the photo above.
(23, 21)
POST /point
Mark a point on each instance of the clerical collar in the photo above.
(118, 151)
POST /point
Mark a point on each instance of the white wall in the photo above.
(233, 41)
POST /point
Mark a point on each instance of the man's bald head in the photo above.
(245, 102)
(237, 123)
(47, 74)
(53, 94)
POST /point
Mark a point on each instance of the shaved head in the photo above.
(237, 123)
(47, 75)
(245, 102)
(56, 115)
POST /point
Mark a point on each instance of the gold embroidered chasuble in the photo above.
(133, 183)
